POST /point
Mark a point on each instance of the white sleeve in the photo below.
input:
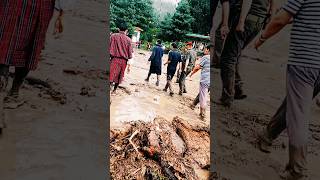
(64, 4)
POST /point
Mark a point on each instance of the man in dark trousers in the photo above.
(248, 23)
(156, 62)
(23, 29)
(120, 52)
(187, 66)
(174, 58)
(302, 84)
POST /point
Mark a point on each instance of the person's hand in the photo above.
(258, 43)
(240, 27)
(58, 26)
(224, 31)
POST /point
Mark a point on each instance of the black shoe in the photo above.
(157, 83)
(180, 93)
(240, 96)
(290, 174)
(263, 144)
(171, 93)
(224, 102)
(165, 90)
(192, 106)
(184, 91)
(147, 80)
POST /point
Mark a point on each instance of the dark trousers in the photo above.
(182, 80)
(20, 75)
(303, 85)
(234, 44)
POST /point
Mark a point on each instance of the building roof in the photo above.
(138, 29)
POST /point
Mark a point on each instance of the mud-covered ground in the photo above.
(236, 129)
(61, 129)
(142, 106)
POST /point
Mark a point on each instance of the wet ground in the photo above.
(46, 138)
(138, 102)
(264, 74)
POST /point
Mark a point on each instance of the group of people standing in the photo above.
(121, 51)
(241, 23)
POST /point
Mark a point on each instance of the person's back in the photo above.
(158, 53)
(120, 46)
(175, 58)
(191, 58)
(205, 70)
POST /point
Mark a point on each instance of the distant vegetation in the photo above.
(162, 19)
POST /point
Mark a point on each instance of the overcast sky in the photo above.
(173, 1)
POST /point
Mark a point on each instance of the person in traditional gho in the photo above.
(156, 62)
(120, 52)
(174, 58)
(204, 66)
(23, 29)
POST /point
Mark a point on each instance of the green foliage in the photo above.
(137, 13)
(190, 16)
(175, 27)
(201, 14)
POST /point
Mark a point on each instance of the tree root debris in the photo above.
(160, 150)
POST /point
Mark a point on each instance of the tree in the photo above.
(175, 27)
(201, 14)
(137, 13)
(166, 31)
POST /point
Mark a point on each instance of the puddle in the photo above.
(139, 106)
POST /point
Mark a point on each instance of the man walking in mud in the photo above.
(23, 28)
(174, 58)
(302, 84)
(120, 52)
(156, 62)
(204, 80)
(245, 24)
(188, 64)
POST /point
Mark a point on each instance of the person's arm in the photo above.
(187, 60)
(276, 24)
(152, 55)
(225, 18)
(246, 5)
(168, 61)
(195, 69)
(58, 27)
(272, 8)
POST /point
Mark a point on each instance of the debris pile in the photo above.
(160, 150)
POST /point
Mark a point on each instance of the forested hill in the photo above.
(163, 7)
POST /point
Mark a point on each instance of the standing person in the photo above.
(230, 14)
(303, 82)
(23, 29)
(187, 65)
(204, 80)
(120, 52)
(249, 23)
(173, 60)
(183, 52)
(156, 62)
